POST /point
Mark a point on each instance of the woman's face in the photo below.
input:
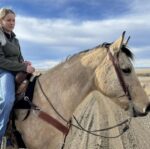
(8, 22)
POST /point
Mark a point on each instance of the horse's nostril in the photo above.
(147, 108)
(139, 112)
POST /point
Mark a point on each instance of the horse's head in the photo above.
(116, 78)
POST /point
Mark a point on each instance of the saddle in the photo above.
(24, 89)
(22, 81)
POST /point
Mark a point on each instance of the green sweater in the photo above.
(10, 55)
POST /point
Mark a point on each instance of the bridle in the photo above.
(124, 86)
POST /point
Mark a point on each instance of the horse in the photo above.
(106, 68)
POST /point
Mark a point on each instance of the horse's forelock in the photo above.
(125, 50)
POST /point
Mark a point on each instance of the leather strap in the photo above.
(119, 75)
(49, 119)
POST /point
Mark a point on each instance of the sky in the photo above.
(51, 30)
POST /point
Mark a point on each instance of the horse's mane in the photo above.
(127, 52)
(124, 49)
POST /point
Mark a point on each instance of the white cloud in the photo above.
(143, 49)
(59, 32)
(139, 6)
(67, 33)
(142, 63)
(43, 65)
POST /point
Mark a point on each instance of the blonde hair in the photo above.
(4, 12)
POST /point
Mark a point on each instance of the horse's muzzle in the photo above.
(137, 112)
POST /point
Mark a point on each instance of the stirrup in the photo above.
(3, 143)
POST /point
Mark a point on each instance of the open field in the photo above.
(144, 77)
(143, 72)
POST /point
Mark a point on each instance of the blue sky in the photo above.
(51, 30)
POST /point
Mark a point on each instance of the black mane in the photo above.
(127, 52)
(124, 49)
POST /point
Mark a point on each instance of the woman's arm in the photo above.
(10, 65)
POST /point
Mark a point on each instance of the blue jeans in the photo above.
(7, 98)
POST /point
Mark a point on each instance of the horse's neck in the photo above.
(69, 83)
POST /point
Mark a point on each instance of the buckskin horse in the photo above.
(58, 92)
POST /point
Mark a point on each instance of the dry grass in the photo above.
(144, 77)
(143, 72)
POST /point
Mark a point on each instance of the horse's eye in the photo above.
(126, 70)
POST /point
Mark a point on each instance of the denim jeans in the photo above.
(7, 98)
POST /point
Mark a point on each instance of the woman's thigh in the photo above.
(7, 86)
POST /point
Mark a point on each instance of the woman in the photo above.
(11, 62)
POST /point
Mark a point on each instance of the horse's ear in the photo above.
(126, 43)
(115, 47)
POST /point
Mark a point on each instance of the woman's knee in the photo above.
(7, 82)
(7, 87)
(6, 105)
(8, 76)
(8, 99)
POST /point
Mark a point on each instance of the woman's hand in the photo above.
(27, 62)
(30, 69)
